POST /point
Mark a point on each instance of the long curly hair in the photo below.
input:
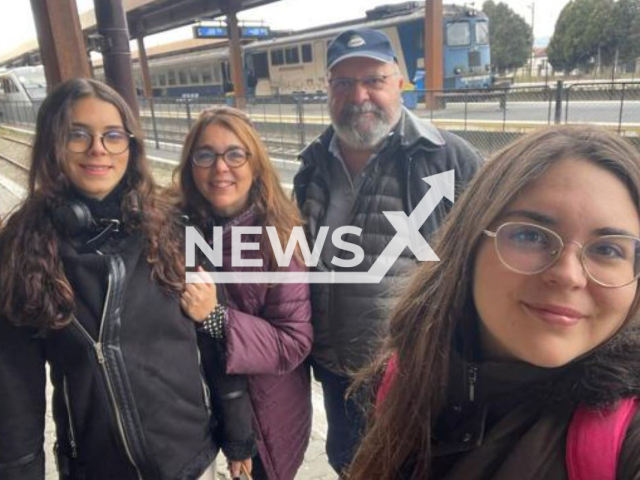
(34, 290)
(273, 206)
(438, 301)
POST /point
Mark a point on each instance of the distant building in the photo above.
(538, 66)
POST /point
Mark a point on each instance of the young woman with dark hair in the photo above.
(259, 332)
(90, 283)
(527, 325)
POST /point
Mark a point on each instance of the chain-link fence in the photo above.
(285, 124)
(616, 105)
(20, 114)
(489, 119)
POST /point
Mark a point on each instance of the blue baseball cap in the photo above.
(360, 42)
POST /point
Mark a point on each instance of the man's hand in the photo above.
(199, 299)
(242, 467)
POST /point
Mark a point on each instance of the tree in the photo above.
(591, 33)
(510, 36)
(626, 30)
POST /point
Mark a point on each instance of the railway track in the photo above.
(13, 162)
(281, 150)
(16, 140)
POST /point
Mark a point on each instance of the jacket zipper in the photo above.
(205, 388)
(101, 360)
(473, 379)
(72, 435)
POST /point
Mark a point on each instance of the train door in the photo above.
(227, 84)
(257, 65)
(319, 64)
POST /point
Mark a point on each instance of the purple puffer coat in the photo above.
(269, 335)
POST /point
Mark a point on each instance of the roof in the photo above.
(146, 17)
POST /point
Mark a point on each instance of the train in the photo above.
(296, 63)
(23, 84)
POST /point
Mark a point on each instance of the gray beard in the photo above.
(357, 135)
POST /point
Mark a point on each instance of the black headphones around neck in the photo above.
(74, 218)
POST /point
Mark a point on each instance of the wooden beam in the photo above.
(235, 58)
(62, 48)
(433, 48)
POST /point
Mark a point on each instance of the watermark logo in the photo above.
(407, 235)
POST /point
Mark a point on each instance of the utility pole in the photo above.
(533, 38)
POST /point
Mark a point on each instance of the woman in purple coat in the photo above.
(258, 331)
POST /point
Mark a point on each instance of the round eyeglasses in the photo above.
(609, 260)
(233, 157)
(113, 141)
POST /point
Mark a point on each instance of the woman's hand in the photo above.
(199, 299)
(238, 468)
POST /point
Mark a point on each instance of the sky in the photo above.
(16, 25)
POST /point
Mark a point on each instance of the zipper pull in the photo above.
(99, 352)
(473, 378)
(74, 449)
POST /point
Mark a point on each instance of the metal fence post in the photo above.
(153, 121)
(503, 106)
(188, 107)
(559, 92)
(621, 107)
(300, 114)
(466, 99)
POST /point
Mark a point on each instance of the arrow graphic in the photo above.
(408, 227)
(407, 235)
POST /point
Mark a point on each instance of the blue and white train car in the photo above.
(298, 62)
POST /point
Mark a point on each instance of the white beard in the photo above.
(361, 133)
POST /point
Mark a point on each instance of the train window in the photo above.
(277, 57)
(171, 76)
(194, 75)
(207, 78)
(154, 80)
(292, 55)
(261, 65)
(182, 77)
(217, 73)
(482, 32)
(163, 80)
(458, 34)
(307, 57)
(9, 86)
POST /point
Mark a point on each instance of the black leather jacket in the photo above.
(129, 401)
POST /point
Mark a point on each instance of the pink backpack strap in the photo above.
(387, 379)
(594, 440)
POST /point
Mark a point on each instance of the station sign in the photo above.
(215, 31)
(221, 31)
(255, 32)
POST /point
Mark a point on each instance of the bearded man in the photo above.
(371, 160)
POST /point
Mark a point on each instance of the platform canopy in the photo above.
(144, 17)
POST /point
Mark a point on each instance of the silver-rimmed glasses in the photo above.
(341, 85)
(609, 260)
(233, 157)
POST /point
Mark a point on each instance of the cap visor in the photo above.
(373, 55)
